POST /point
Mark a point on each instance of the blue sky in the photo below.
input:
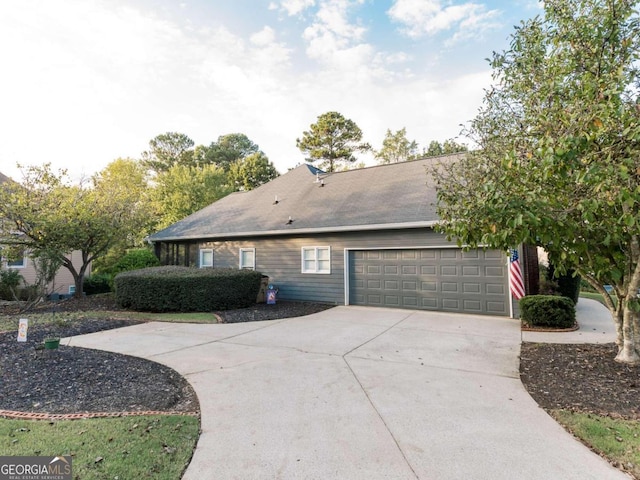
(87, 81)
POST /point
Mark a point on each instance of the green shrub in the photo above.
(99, 283)
(10, 281)
(568, 284)
(547, 311)
(186, 289)
(135, 259)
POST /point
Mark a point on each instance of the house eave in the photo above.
(301, 231)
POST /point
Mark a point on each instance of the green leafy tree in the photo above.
(449, 146)
(167, 150)
(228, 149)
(48, 213)
(396, 147)
(129, 177)
(251, 172)
(332, 140)
(183, 190)
(559, 158)
(434, 149)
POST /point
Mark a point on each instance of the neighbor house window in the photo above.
(206, 258)
(316, 260)
(18, 261)
(247, 258)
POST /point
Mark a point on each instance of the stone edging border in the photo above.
(81, 416)
(558, 330)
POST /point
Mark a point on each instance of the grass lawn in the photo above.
(597, 296)
(10, 322)
(158, 447)
(617, 440)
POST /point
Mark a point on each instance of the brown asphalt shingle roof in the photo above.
(381, 197)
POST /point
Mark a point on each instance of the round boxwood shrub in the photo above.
(186, 289)
(547, 311)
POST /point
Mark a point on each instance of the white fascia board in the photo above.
(304, 231)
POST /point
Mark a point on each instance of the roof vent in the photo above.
(290, 221)
(322, 182)
(317, 177)
(275, 202)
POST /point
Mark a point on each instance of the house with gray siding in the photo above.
(358, 237)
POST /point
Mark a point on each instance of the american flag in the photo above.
(516, 283)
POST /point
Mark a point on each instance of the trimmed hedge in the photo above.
(547, 311)
(98, 283)
(186, 289)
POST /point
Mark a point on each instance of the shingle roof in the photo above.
(381, 197)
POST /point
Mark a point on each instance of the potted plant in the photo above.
(51, 343)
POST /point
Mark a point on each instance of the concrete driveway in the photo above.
(361, 393)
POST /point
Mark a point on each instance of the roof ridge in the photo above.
(371, 167)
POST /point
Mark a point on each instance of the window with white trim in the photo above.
(316, 259)
(17, 261)
(206, 257)
(247, 259)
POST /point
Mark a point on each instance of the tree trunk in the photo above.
(628, 350)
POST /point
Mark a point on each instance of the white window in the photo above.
(316, 260)
(72, 289)
(247, 259)
(18, 262)
(206, 257)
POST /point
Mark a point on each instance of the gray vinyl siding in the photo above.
(280, 258)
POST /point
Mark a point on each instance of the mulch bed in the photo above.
(581, 378)
(72, 380)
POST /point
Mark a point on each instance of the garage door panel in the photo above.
(472, 305)
(392, 301)
(409, 270)
(429, 287)
(410, 285)
(494, 272)
(471, 287)
(449, 287)
(496, 308)
(495, 289)
(449, 270)
(428, 269)
(431, 279)
(471, 270)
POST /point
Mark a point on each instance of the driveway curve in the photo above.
(361, 393)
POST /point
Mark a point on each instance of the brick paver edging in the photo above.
(80, 416)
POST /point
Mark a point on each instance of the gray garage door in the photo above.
(430, 279)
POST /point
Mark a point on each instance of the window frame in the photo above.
(316, 270)
(245, 250)
(202, 252)
(14, 263)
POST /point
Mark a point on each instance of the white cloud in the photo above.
(333, 40)
(293, 7)
(429, 17)
(88, 81)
